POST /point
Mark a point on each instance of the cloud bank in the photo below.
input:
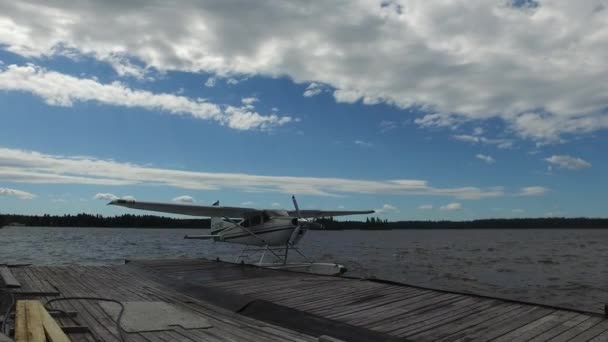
(541, 69)
(568, 162)
(16, 193)
(35, 167)
(64, 90)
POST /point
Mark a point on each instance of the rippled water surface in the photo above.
(559, 267)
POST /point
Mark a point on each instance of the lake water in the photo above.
(559, 267)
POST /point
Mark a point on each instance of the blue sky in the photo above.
(408, 128)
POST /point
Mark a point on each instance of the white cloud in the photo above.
(568, 162)
(112, 197)
(363, 143)
(387, 125)
(486, 159)
(425, 207)
(34, 167)
(552, 81)
(63, 90)
(275, 204)
(451, 207)
(16, 193)
(474, 139)
(533, 191)
(184, 199)
(210, 82)
(387, 208)
(248, 203)
(249, 100)
(517, 211)
(105, 196)
(313, 89)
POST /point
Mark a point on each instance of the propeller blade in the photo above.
(295, 204)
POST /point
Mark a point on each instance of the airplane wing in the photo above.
(327, 213)
(188, 209)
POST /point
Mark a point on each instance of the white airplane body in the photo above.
(270, 229)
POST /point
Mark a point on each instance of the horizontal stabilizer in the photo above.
(200, 237)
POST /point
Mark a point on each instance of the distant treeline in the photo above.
(88, 220)
(515, 223)
(372, 223)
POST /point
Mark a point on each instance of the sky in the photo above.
(421, 110)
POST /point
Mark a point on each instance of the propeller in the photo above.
(301, 224)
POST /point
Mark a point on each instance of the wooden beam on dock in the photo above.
(7, 278)
(28, 323)
(53, 331)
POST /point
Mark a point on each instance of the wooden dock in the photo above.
(247, 303)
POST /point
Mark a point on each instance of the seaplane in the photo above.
(269, 232)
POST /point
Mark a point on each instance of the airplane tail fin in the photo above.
(219, 223)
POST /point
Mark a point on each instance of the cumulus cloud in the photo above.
(387, 208)
(16, 193)
(184, 199)
(34, 167)
(533, 191)
(275, 204)
(313, 89)
(451, 207)
(474, 139)
(486, 159)
(363, 143)
(249, 100)
(63, 90)
(248, 203)
(552, 82)
(210, 82)
(425, 207)
(112, 197)
(568, 162)
(105, 196)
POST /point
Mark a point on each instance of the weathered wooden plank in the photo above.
(376, 306)
(378, 310)
(28, 322)
(577, 329)
(560, 328)
(51, 328)
(603, 337)
(477, 328)
(591, 333)
(537, 327)
(7, 279)
(464, 322)
(424, 321)
(509, 325)
(385, 320)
